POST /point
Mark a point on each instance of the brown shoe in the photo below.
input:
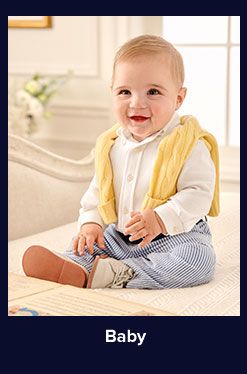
(40, 262)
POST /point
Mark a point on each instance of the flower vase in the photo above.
(32, 126)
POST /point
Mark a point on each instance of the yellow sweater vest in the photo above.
(172, 153)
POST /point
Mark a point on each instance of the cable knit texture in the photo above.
(172, 153)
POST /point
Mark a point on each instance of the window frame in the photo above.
(229, 155)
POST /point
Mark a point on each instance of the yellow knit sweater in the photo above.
(172, 153)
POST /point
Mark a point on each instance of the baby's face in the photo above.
(145, 95)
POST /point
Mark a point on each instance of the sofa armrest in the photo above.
(44, 188)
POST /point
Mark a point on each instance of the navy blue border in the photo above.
(73, 342)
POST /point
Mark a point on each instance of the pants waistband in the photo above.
(160, 236)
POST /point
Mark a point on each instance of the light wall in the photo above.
(86, 45)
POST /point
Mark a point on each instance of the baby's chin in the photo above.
(139, 135)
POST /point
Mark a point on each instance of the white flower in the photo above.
(44, 81)
(30, 103)
(18, 122)
(23, 98)
(32, 106)
(35, 108)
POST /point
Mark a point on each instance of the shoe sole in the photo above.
(40, 262)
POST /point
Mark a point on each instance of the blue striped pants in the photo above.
(182, 260)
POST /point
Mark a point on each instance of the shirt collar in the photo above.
(125, 133)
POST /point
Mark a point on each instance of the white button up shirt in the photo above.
(132, 164)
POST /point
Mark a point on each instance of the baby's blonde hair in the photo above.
(150, 45)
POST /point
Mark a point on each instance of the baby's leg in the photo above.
(185, 266)
(182, 260)
(115, 247)
(87, 259)
(68, 268)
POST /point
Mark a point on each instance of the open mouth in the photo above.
(139, 118)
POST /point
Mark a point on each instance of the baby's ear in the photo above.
(181, 96)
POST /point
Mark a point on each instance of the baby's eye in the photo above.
(124, 92)
(153, 91)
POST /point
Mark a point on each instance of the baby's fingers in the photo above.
(100, 242)
(90, 243)
(81, 245)
(75, 245)
(134, 219)
(133, 213)
(145, 241)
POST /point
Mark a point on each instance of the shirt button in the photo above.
(175, 229)
(130, 177)
(126, 210)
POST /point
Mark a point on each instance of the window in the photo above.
(210, 46)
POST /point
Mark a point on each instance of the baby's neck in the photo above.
(140, 139)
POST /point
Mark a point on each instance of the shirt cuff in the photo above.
(170, 219)
(90, 216)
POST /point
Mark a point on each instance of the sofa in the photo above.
(44, 195)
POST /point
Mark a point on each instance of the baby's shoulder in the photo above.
(200, 151)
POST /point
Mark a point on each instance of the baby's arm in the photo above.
(195, 191)
(89, 206)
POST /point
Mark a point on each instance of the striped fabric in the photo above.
(182, 260)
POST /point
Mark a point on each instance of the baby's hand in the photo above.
(89, 234)
(146, 225)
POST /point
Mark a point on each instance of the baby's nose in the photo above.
(138, 102)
